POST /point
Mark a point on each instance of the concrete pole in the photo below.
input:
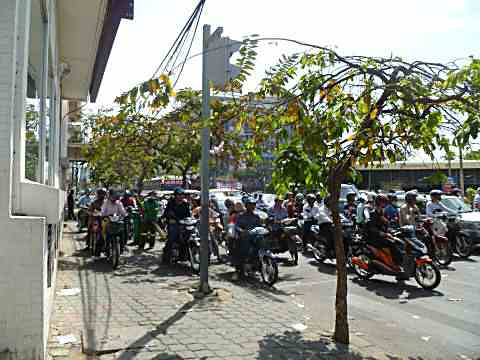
(204, 171)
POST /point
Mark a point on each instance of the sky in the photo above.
(434, 30)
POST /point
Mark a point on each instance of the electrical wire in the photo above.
(169, 62)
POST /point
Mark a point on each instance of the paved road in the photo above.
(405, 320)
(146, 311)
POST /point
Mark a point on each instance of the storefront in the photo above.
(51, 51)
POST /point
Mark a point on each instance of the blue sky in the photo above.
(436, 30)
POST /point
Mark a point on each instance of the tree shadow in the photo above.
(392, 291)
(329, 269)
(293, 346)
(469, 259)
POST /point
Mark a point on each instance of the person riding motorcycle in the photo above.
(310, 214)
(377, 230)
(434, 205)
(128, 199)
(85, 200)
(95, 206)
(112, 206)
(277, 213)
(391, 211)
(350, 208)
(409, 211)
(177, 209)
(151, 208)
(289, 204)
(246, 221)
(299, 202)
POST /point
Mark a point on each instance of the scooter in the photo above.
(260, 258)
(187, 248)
(371, 260)
(82, 218)
(284, 237)
(432, 231)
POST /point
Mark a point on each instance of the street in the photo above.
(405, 320)
(147, 311)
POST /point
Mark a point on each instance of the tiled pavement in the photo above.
(147, 311)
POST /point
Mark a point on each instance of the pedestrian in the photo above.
(71, 204)
(476, 200)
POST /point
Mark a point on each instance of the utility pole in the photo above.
(204, 171)
(216, 69)
(461, 180)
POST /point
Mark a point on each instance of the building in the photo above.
(51, 51)
(416, 174)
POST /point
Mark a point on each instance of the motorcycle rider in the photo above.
(150, 215)
(299, 202)
(177, 209)
(476, 200)
(246, 221)
(95, 206)
(409, 210)
(350, 208)
(310, 214)
(391, 211)
(85, 200)
(290, 204)
(112, 206)
(128, 199)
(83, 203)
(377, 230)
(434, 205)
(277, 212)
(363, 213)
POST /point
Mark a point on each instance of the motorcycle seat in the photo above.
(188, 222)
(290, 228)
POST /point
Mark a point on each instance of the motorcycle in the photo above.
(115, 239)
(458, 239)
(371, 260)
(215, 230)
(260, 258)
(432, 231)
(284, 237)
(82, 217)
(322, 244)
(95, 234)
(187, 248)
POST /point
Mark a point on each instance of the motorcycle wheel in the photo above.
(362, 273)
(115, 252)
(319, 251)
(194, 254)
(442, 255)
(293, 250)
(428, 276)
(268, 270)
(141, 242)
(463, 245)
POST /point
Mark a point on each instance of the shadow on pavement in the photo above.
(392, 290)
(293, 346)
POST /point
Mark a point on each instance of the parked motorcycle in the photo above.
(432, 231)
(418, 264)
(187, 248)
(284, 237)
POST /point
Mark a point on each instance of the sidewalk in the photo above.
(147, 311)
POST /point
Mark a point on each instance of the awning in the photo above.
(86, 32)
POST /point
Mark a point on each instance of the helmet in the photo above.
(412, 194)
(179, 191)
(351, 193)
(229, 202)
(436, 192)
(311, 197)
(363, 198)
(102, 191)
(381, 199)
(392, 197)
(299, 197)
(250, 200)
(112, 194)
(456, 191)
(128, 193)
(288, 194)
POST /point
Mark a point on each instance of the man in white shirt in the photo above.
(476, 200)
(113, 206)
(434, 205)
(311, 213)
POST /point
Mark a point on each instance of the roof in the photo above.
(86, 32)
(422, 165)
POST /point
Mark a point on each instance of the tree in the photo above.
(335, 112)
(473, 155)
(32, 118)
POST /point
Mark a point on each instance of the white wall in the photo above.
(25, 298)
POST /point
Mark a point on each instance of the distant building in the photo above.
(415, 174)
(52, 52)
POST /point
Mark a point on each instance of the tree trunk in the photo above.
(341, 333)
